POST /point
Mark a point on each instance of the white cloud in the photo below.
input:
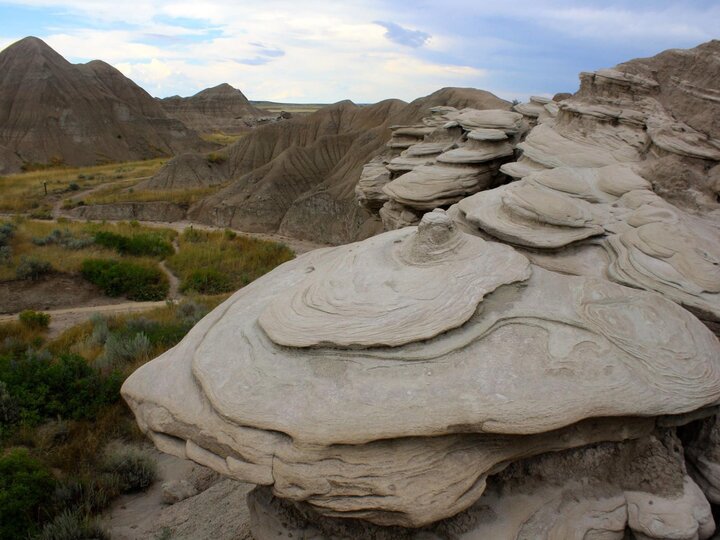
(328, 50)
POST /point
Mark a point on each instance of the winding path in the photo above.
(62, 319)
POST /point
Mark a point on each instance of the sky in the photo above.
(317, 51)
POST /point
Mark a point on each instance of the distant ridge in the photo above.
(78, 114)
(220, 108)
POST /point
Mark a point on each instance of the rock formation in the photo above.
(298, 177)
(537, 362)
(221, 108)
(453, 154)
(418, 385)
(78, 114)
(596, 183)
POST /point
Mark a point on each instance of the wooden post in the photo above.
(45, 186)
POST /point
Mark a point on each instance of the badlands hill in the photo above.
(220, 108)
(298, 177)
(79, 114)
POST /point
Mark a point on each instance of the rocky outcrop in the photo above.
(595, 174)
(141, 211)
(432, 382)
(298, 177)
(421, 386)
(221, 108)
(52, 111)
(453, 154)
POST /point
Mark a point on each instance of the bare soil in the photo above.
(52, 292)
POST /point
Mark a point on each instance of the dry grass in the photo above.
(222, 138)
(182, 197)
(64, 259)
(240, 259)
(25, 191)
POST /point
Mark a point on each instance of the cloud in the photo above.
(404, 36)
(323, 50)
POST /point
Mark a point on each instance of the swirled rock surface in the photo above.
(422, 406)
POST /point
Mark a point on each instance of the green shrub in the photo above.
(73, 525)
(73, 186)
(207, 281)
(121, 349)
(143, 244)
(9, 410)
(190, 234)
(229, 234)
(67, 387)
(33, 269)
(7, 230)
(134, 466)
(64, 238)
(34, 319)
(26, 490)
(134, 280)
(5, 254)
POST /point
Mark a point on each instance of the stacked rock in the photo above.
(537, 362)
(460, 156)
(581, 196)
(359, 382)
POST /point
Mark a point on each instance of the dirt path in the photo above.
(57, 209)
(174, 292)
(62, 319)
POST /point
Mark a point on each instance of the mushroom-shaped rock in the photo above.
(400, 419)
(390, 294)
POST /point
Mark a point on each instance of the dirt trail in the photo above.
(62, 319)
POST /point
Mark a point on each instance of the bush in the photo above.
(135, 467)
(75, 525)
(63, 238)
(9, 410)
(33, 269)
(5, 254)
(143, 244)
(121, 349)
(34, 320)
(26, 489)
(73, 186)
(194, 236)
(7, 230)
(67, 387)
(133, 280)
(207, 281)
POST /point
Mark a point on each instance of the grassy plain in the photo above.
(25, 192)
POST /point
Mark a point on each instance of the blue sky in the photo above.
(324, 51)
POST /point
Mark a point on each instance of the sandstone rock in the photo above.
(423, 422)
(177, 490)
(149, 211)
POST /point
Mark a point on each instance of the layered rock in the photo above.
(456, 153)
(593, 175)
(52, 111)
(362, 383)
